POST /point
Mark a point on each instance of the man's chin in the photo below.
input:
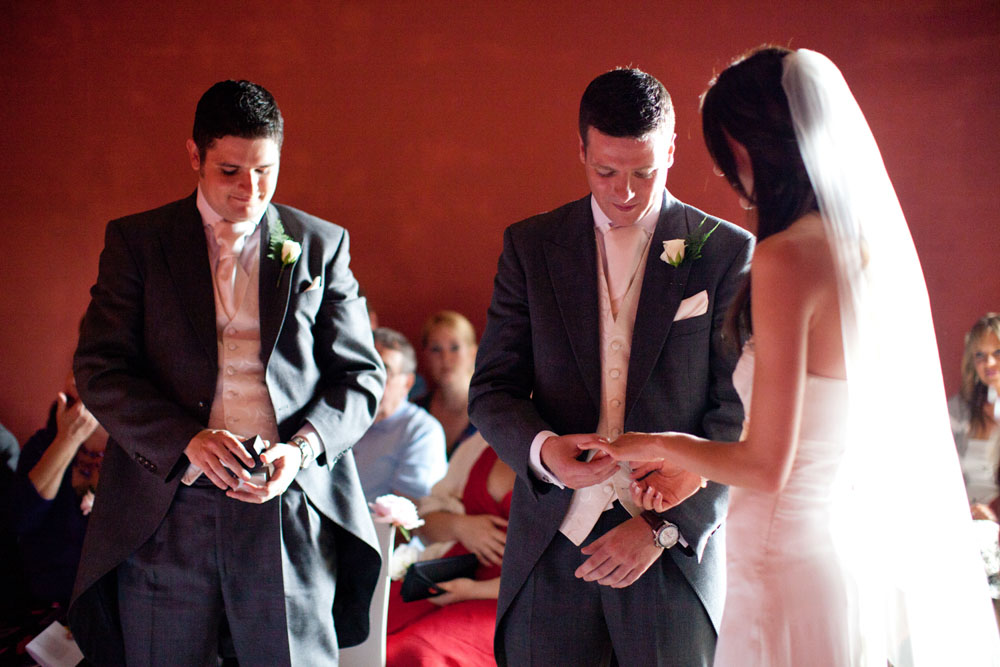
(245, 214)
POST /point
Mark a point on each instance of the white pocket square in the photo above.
(693, 306)
(316, 283)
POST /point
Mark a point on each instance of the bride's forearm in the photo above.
(732, 463)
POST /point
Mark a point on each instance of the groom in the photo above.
(590, 330)
(214, 319)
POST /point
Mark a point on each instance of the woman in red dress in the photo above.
(466, 513)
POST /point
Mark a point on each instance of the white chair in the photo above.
(371, 652)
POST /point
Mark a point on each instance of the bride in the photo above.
(822, 569)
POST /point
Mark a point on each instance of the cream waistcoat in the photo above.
(616, 345)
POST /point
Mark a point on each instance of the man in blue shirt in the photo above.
(404, 450)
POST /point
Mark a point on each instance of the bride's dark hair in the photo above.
(747, 103)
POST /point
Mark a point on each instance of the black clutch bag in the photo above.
(421, 577)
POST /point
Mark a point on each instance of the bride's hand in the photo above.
(630, 447)
(658, 486)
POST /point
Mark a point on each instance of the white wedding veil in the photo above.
(917, 585)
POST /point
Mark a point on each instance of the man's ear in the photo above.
(583, 151)
(670, 151)
(193, 154)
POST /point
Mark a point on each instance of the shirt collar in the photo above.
(648, 222)
(209, 217)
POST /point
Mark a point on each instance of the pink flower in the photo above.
(397, 511)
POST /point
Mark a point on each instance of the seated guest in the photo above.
(466, 513)
(11, 581)
(974, 415)
(975, 412)
(9, 451)
(449, 346)
(403, 452)
(52, 494)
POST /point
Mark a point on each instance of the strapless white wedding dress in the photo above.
(786, 601)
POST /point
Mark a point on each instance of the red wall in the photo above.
(426, 128)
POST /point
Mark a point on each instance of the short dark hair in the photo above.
(625, 103)
(236, 108)
(391, 339)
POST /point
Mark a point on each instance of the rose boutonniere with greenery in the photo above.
(687, 249)
(283, 248)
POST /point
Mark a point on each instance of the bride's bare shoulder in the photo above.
(796, 260)
(802, 248)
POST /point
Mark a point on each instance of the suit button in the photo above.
(201, 404)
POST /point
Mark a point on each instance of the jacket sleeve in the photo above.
(111, 369)
(351, 377)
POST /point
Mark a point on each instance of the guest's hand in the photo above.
(215, 452)
(285, 459)
(483, 535)
(621, 555)
(455, 590)
(74, 423)
(658, 486)
(559, 454)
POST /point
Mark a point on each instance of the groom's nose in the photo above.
(624, 189)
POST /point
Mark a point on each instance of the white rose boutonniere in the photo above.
(283, 248)
(677, 251)
(290, 251)
(673, 252)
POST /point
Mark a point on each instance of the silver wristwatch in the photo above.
(305, 449)
(665, 534)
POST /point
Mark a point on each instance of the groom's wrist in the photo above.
(540, 470)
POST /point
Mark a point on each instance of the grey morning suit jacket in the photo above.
(539, 368)
(146, 366)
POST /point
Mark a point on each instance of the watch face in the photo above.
(667, 535)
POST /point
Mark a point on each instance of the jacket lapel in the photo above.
(275, 284)
(571, 258)
(186, 254)
(662, 291)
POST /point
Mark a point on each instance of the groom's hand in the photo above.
(559, 454)
(621, 555)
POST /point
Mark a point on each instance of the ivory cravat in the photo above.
(623, 245)
(227, 235)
